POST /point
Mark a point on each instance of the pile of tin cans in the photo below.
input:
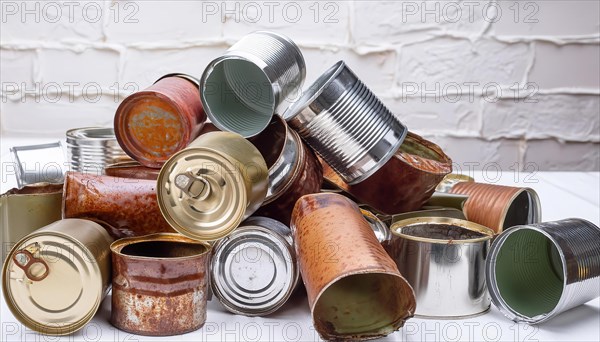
(323, 188)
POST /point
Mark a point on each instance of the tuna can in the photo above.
(159, 284)
(499, 207)
(251, 82)
(153, 124)
(90, 149)
(131, 169)
(55, 278)
(294, 170)
(254, 269)
(346, 124)
(354, 289)
(535, 272)
(206, 190)
(444, 261)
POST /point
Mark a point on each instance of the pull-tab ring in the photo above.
(35, 269)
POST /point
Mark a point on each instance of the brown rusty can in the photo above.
(153, 124)
(124, 206)
(131, 169)
(354, 288)
(405, 182)
(294, 170)
(160, 284)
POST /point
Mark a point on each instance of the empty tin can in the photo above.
(535, 272)
(124, 206)
(131, 169)
(405, 182)
(346, 124)
(254, 269)
(159, 284)
(153, 124)
(294, 170)
(354, 289)
(44, 163)
(444, 261)
(55, 278)
(90, 149)
(499, 207)
(206, 190)
(251, 82)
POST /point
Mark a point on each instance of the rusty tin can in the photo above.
(444, 261)
(124, 206)
(354, 289)
(153, 124)
(294, 170)
(206, 190)
(497, 206)
(90, 149)
(159, 284)
(254, 269)
(405, 182)
(131, 169)
(55, 278)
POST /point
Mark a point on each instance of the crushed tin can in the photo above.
(354, 289)
(44, 163)
(90, 149)
(405, 183)
(153, 124)
(254, 269)
(207, 189)
(535, 272)
(125, 207)
(159, 284)
(251, 82)
(294, 170)
(444, 261)
(131, 169)
(56, 277)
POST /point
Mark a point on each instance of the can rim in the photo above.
(397, 227)
(117, 246)
(92, 133)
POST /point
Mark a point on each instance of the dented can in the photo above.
(131, 169)
(159, 284)
(340, 258)
(55, 278)
(206, 190)
(254, 269)
(153, 124)
(90, 149)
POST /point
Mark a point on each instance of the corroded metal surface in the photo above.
(131, 169)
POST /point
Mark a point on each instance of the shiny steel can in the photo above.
(254, 269)
(44, 163)
(535, 272)
(346, 124)
(153, 124)
(206, 190)
(55, 278)
(354, 289)
(443, 259)
(251, 82)
(159, 284)
(90, 149)
(131, 169)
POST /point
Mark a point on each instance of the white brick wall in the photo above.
(490, 81)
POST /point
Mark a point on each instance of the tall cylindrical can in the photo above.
(444, 261)
(251, 82)
(90, 149)
(159, 284)
(206, 190)
(254, 269)
(124, 206)
(153, 124)
(354, 289)
(346, 124)
(55, 278)
(535, 272)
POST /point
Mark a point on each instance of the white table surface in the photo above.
(563, 195)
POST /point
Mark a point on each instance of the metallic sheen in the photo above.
(90, 149)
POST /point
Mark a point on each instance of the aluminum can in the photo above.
(254, 269)
(90, 149)
(159, 284)
(444, 260)
(131, 169)
(55, 278)
(153, 124)
(340, 258)
(251, 82)
(535, 272)
(206, 190)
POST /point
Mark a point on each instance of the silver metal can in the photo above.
(254, 269)
(90, 149)
(346, 124)
(44, 163)
(251, 82)
(535, 272)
